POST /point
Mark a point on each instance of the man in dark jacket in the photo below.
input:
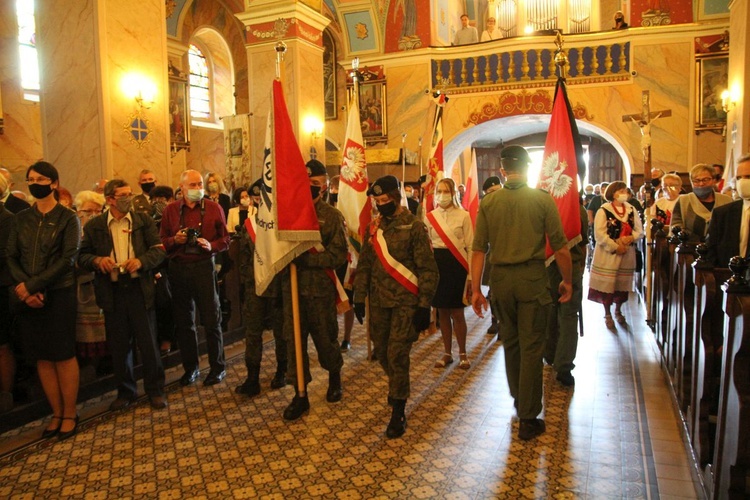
(123, 246)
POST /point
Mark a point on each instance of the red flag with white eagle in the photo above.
(435, 169)
(287, 225)
(563, 163)
(353, 201)
(471, 196)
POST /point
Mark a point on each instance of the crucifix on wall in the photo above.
(644, 121)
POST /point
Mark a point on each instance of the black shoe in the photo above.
(61, 435)
(566, 379)
(158, 402)
(189, 377)
(296, 408)
(214, 378)
(248, 388)
(121, 403)
(397, 425)
(48, 433)
(279, 380)
(335, 392)
(531, 428)
(345, 345)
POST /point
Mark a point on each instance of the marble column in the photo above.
(95, 57)
(300, 27)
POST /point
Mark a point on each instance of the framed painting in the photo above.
(329, 76)
(711, 80)
(372, 111)
(179, 113)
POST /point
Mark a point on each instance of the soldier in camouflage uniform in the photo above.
(317, 298)
(256, 309)
(397, 315)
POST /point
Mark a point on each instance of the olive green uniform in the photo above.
(513, 223)
(392, 306)
(256, 309)
(317, 296)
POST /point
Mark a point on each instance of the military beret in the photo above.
(422, 179)
(384, 185)
(256, 187)
(491, 181)
(514, 156)
(315, 168)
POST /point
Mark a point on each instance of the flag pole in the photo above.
(301, 386)
(419, 151)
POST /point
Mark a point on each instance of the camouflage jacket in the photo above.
(312, 278)
(409, 244)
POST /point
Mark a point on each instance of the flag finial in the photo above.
(561, 58)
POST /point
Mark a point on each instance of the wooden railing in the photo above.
(701, 320)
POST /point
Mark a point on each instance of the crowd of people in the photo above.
(119, 270)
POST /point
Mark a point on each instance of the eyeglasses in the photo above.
(122, 196)
(702, 181)
(38, 180)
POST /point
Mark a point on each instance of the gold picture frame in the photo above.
(372, 111)
(179, 113)
(711, 76)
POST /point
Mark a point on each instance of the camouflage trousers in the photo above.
(259, 312)
(317, 320)
(393, 334)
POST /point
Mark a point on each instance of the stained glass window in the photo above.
(200, 102)
(29, 63)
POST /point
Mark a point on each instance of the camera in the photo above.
(191, 245)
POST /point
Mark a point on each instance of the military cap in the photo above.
(491, 181)
(315, 168)
(513, 157)
(384, 185)
(256, 187)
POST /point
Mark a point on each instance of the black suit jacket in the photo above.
(14, 204)
(723, 239)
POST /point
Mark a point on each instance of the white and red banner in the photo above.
(436, 168)
(562, 165)
(396, 269)
(471, 196)
(353, 202)
(286, 226)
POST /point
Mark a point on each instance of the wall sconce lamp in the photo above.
(314, 127)
(143, 90)
(728, 100)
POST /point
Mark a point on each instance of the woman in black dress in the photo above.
(42, 249)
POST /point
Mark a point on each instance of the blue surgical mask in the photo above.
(703, 191)
(194, 195)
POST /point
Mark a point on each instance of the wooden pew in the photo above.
(660, 260)
(682, 312)
(708, 339)
(731, 462)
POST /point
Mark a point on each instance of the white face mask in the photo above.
(743, 188)
(194, 195)
(622, 198)
(444, 199)
(245, 202)
(410, 194)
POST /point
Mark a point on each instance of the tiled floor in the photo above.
(614, 436)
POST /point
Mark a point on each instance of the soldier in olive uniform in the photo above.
(515, 224)
(256, 309)
(398, 312)
(317, 298)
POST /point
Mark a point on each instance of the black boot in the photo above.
(279, 380)
(335, 392)
(251, 386)
(297, 407)
(397, 425)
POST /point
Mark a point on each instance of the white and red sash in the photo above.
(250, 227)
(397, 270)
(342, 301)
(446, 234)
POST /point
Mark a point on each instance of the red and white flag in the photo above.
(286, 225)
(471, 196)
(563, 163)
(435, 169)
(353, 202)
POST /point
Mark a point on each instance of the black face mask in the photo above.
(40, 191)
(148, 186)
(333, 197)
(387, 209)
(315, 190)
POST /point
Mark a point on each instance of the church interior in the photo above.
(104, 89)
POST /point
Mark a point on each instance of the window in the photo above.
(29, 64)
(200, 82)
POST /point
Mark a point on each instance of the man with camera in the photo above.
(193, 231)
(123, 247)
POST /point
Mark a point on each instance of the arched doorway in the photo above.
(530, 131)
